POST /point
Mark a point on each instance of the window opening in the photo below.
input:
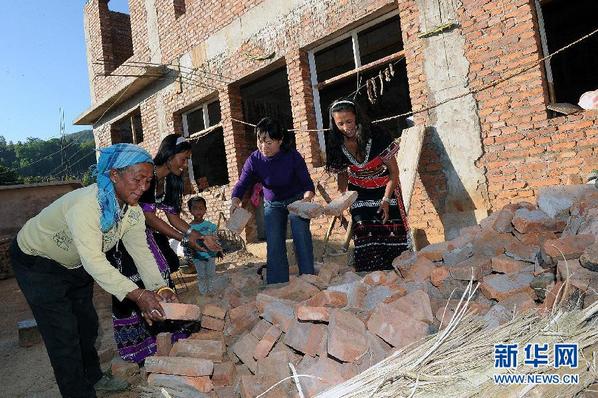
(572, 72)
(208, 158)
(129, 129)
(368, 50)
(267, 96)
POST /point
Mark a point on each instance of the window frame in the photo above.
(206, 120)
(544, 48)
(198, 134)
(135, 134)
(311, 57)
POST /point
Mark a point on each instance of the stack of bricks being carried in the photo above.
(313, 210)
(337, 323)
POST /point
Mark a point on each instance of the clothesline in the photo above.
(469, 92)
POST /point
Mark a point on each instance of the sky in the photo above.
(43, 66)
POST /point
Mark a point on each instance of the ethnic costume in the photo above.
(135, 339)
(376, 244)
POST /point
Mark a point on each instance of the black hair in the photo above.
(173, 188)
(335, 160)
(194, 200)
(274, 130)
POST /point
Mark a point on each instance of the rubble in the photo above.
(28, 333)
(336, 324)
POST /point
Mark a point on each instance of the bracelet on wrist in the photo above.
(386, 199)
(161, 289)
(140, 294)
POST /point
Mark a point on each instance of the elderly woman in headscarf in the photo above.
(59, 253)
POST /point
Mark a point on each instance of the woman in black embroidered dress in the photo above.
(363, 155)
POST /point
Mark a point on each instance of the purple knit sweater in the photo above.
(283, 175)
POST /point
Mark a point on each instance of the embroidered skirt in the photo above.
(377, 244)
(135, 339)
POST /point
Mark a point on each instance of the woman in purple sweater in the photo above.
(285, 179)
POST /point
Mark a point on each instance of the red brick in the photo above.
(328, 271)
(178, 311)
(501, 286)
(328, 298)
(420, 271)
(330, 373)
(507, 265)
(267, 342)
(519, 302)
(214, 311)
(314, 314)
(207, 335)
(438, 275)
(569, 246)
(206, 349)
(347, 340)
(244, 349)
(434, 252)
(305, 337)
(240, 319)
(123, 369)
(208, 322)
(179, 366)
(396, 327)
(224, 374)
(280, 314)
(163, 344)
(475, 267)
(276, 366)
(375, 278)
(416, 304)
(196, 384)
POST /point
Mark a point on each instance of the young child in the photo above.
(204, 262)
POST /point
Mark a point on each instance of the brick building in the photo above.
(199, 67)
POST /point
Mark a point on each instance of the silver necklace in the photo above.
(352, 159)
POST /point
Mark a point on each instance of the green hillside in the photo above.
(37, 160)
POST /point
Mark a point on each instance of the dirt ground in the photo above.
(26, 372)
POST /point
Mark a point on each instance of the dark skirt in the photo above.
(377, 244)
(135, 338)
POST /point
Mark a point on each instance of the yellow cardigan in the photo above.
(68, 232)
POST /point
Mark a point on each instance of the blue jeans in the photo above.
(275, 219)
(206, 270)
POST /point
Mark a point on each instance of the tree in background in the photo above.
(9, 177)
(37, 160)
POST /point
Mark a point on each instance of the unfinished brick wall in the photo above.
(122, 42)
(523, 148)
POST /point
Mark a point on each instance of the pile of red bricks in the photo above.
(334, 325)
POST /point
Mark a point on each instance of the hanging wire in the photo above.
(410, 113)
(491, 84)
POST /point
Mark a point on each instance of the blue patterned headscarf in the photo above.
(117, 156)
